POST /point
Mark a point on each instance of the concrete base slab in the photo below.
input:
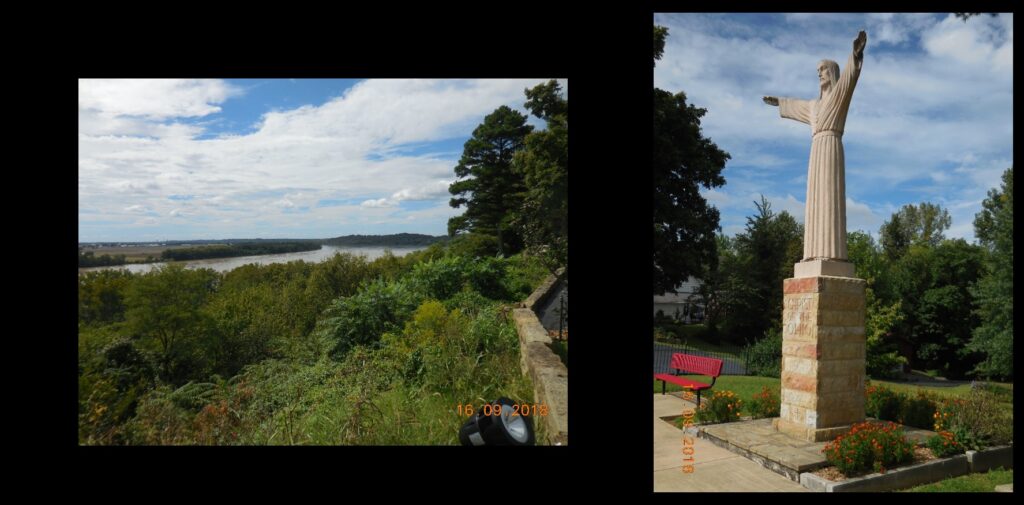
(1005, 488)
(989, 459)
(899, 478)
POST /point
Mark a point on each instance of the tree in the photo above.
(994, 291)
(543, 163)
(746, 285)
(932, 284)
(486, 184)
(768, 248)
(684, 223)
(660, 34)
(913, 224)
(164, 310)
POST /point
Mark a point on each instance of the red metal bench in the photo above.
(691, 364)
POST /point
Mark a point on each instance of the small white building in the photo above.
(685, 304)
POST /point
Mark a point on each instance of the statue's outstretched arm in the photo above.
(771, 100)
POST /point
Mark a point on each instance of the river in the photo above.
(225, 264)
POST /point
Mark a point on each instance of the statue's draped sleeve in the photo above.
(848, 77)
(792, 108)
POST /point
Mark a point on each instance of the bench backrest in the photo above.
(697, 364)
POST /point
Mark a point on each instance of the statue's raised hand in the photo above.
(860, 42)
(771, 100)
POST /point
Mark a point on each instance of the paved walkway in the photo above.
(715, 468)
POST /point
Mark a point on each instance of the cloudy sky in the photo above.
(275, 158)
(931, 117)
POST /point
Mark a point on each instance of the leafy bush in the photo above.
(764, 404)
(944, 444)
(722, 407)
(869, 446)
(977, 421)
(918, 411)
(882, 403)
(764, 357)
(361, 319)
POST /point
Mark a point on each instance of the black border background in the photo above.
(604, 54)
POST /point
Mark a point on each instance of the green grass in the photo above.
(745, 386)
(973, 483)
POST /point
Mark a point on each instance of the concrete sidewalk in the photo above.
(715, 468)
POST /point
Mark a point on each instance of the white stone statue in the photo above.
(825, 216)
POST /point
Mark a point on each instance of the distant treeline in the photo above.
(231, 250)
(88, 259)
(396, 240)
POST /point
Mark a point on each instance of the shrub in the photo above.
(918, 411)
(722, 407)
(976, 421)
(361, 319)
(764, 357)
(882, 403)
(764, 404)
(944, 444)
(869, 446)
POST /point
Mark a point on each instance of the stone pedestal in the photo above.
(823, 351)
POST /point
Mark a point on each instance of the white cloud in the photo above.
(355, 147)
(153, 98)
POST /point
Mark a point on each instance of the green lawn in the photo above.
(973, 483)
(745, 386)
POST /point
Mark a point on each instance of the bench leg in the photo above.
(698, 398)
(663, 384)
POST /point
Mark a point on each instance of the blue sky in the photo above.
(170, 159)
(931, 117)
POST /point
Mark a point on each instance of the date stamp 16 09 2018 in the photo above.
(688, 413)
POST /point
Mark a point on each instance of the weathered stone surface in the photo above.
(819, 267)
(802, 366)
(799, 382)
(801, 285)
(549, 375)
(800, 350)
(988, 459)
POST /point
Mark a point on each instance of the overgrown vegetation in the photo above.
(346, 351)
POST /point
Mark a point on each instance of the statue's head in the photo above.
(828, 75)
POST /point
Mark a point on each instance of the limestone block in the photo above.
(803, 366)
(799, 398)
(800, 382)
(841, 350)
(800, 349)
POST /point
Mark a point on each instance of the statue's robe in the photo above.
(825, 215)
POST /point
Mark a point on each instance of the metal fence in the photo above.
(663, 358)
(731, 365)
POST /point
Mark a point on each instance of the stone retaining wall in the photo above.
(549, 375)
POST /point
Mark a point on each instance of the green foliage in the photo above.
(101, 296)
(660, 34)
(362, 318)
(944, 444)
(89, 259)
(683, 160)
(920, 224)
(993, 337)
(233, 250)
(764, 404)
(486, 184)
(977, 421)
(882, 403)
(543, 218)
(722, 407)
(918, 411)
(764, 357)
(164, 310)
(869, 447)
(882, 360)
(745, 294)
